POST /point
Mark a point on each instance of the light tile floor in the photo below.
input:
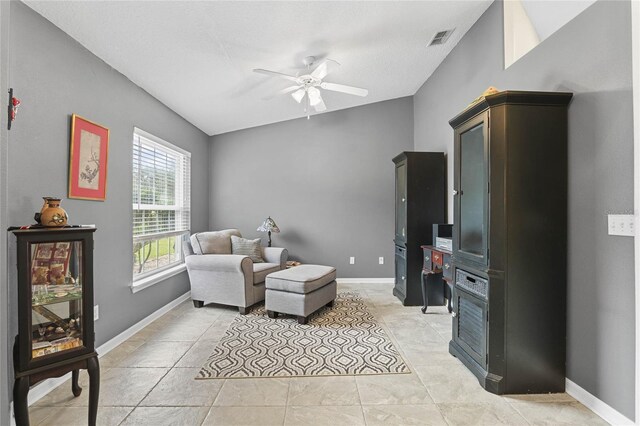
(148, 380)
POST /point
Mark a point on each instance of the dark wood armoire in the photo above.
(510, 241)
(420, 202)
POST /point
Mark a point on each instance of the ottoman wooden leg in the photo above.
(302, 320)
(243, 310)
(272, 314)
(330, 304)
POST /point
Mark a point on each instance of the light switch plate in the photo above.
(352, 260)
(381, 260)
(621, 224)
(96, 312)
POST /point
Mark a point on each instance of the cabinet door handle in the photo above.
(455, 192)
(426, 258)
(403, 278)
(446, 266)
(453, 314)
(403, 199)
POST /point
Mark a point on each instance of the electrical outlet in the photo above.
(96, 312)
(621, 224)
(352, 260)
(381, 260)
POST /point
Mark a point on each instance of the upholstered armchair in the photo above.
(218, 276)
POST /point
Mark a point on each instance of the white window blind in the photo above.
(161, 203)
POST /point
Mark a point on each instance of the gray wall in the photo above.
(591, 57)
(4, 305)
(328, 182)
(54, 76)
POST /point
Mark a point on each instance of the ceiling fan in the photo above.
(307, 87)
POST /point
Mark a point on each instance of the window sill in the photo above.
(156, 278)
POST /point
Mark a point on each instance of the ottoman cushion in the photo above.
(301, 279)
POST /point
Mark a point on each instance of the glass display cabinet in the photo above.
(55, 305)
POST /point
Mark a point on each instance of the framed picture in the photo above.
(88, 160)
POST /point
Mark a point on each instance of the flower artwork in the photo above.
(88, 160)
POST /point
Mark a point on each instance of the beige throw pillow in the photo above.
(213, 242)
(246, 247)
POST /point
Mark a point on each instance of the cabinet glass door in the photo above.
(401, 202)
(472, 192)
(56, 279)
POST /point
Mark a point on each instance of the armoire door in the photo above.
(471, 191)
(401, 203)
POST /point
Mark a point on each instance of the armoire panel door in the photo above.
(401, 203)
(471, 191)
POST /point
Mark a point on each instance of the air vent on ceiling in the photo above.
(440, 37)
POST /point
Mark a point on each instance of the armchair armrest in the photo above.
(219, 263)
(275, 255)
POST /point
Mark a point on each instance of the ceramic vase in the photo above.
(52, 214)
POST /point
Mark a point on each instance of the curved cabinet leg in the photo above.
(75, 387)
(425, 297)
(20, 407)
(94, 389)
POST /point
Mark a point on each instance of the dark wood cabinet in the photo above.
(510, 241)
(420, 202)
(55, 312)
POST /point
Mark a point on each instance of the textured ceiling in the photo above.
(197, 57)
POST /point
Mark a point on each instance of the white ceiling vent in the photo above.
(440, 37)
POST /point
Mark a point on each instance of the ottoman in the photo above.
(300, 291)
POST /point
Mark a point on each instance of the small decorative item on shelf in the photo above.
(51, 214)
(490, 91)
(269, 226)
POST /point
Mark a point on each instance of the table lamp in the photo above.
(269, 226)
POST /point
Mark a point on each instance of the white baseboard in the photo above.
(365, 280)
(601, 408)
(48, 385)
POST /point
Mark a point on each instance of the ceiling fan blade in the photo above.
(276, 74)
(345, 89)
(320, 106)
(298, 95)
(324, 68)
(287, 90)
(282, 92)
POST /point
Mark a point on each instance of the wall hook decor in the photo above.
(14, 103)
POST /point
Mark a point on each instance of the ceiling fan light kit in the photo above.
(308, 86)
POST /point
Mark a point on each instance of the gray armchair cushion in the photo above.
(216, 242)
(261, 270)
(245, 247)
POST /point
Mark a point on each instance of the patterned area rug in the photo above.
(343, 340)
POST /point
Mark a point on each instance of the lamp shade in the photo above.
(269, 225)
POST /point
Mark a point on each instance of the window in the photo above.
(527, 23)
(161, 207)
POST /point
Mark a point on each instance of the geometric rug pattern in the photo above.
(343, 340)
